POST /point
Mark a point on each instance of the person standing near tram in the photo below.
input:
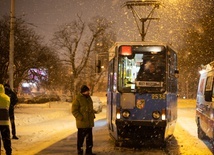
(82, 109)
(13, 102)
(149, 72)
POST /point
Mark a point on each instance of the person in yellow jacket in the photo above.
(82, 109)
(4, 120)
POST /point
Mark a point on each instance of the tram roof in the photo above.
(138, 43)
(112, 49)
(209, 66)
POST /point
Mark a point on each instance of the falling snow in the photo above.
(50, 129)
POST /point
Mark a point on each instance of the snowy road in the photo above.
(50, 130)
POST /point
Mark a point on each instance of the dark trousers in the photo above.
(5, 135)
(13, 126)
(83, 133)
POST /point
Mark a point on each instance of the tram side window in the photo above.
(209, 92)
(127, 70)
(173, 63)
(150, 71)
(110, 76)
(172, 68)
(213, 92)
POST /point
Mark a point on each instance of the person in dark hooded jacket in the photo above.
(13, 102)
(82, 109)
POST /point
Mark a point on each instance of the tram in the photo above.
(142, 92)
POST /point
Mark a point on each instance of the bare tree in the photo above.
(196, 51)
(75, 43)
(29, 52)
(99, 69)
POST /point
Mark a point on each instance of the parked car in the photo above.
(43, 98)
(66, 98)
(205, 103)
(97, 104)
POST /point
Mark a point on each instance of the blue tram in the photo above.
(142, 92)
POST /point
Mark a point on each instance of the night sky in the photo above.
(45, 15)
(175, 16)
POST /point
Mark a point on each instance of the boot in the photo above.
(15, 137)
(89, 152)
(80, 152)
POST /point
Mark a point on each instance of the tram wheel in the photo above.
(212, 145)
(118, 143)
(163, 144)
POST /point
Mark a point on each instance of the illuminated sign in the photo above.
(125, 50)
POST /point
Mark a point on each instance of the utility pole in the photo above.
(11, 53)
(153, 4)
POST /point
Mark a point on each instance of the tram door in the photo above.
(110, 95)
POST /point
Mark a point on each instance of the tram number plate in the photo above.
(158, 96)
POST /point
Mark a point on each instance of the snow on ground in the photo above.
(41, 125)
(37, 122)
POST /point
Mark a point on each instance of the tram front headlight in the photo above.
(126, 114)
(118, 113)
(163, 116)
(156, 114)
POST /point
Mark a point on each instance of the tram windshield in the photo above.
(142, 69)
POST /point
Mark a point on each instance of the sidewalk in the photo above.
(67, 146)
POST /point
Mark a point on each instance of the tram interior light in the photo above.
(155, 49)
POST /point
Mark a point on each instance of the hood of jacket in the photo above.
(2, 91)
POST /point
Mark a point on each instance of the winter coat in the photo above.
(13, 99)
(4, 107)
(82, 109)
